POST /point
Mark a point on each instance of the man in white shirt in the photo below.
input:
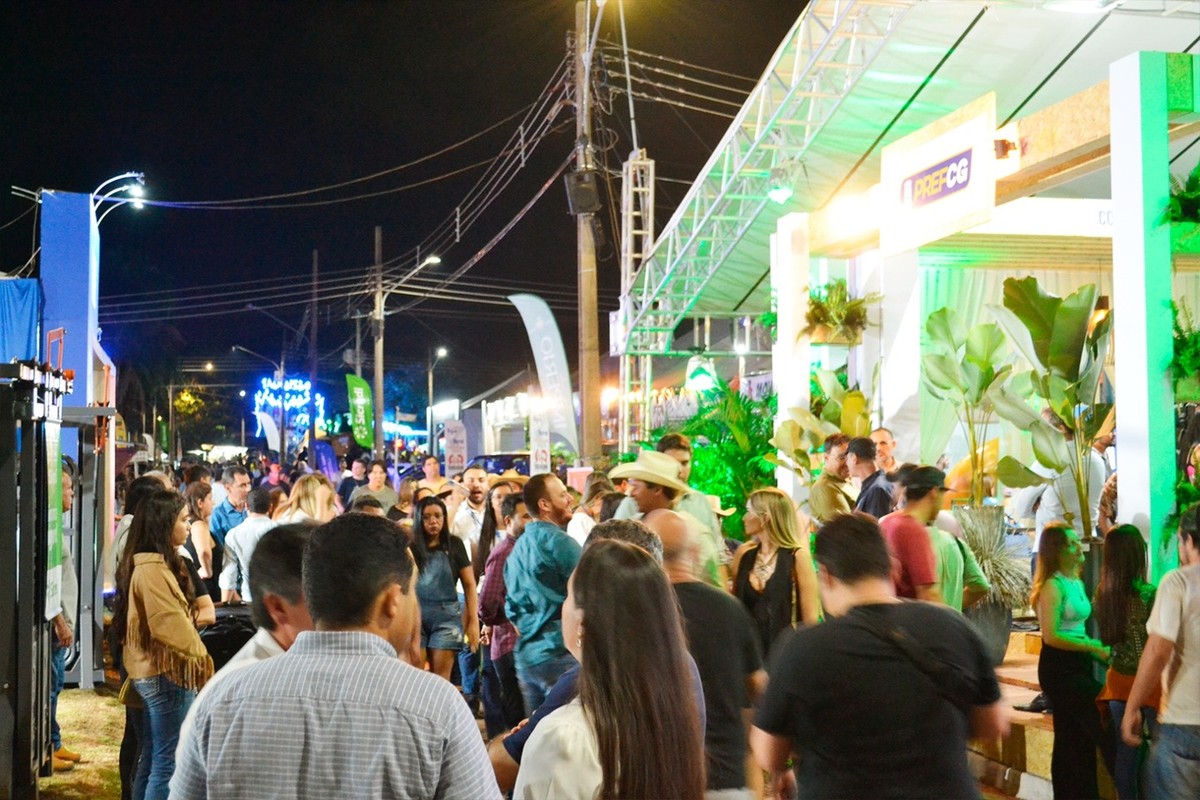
(468, 521)
(1172, 656)
(1058, 496)
(239, 547)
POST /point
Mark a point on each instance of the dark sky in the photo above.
(220, 100)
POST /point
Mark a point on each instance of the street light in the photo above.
(134, 188)
(434, 357)
(279, 376)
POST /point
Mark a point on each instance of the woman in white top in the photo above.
(311, 499)
(634, 731)
(588, 513)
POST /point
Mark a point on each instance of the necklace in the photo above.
(764, 567)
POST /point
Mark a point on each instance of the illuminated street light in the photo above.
(208, 366)
(434, 357)
(134, 188)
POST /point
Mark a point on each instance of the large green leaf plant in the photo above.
(969, 369)
(1066, 349)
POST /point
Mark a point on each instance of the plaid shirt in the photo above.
(491, 600)
(338, 715)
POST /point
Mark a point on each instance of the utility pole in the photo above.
(589, 329)
(358, 345)
(283, 401)
(377, 326)
(312, 370)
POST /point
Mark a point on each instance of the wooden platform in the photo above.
(1019, 764)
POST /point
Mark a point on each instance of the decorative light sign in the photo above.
(292, 395)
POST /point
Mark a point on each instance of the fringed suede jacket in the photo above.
(160, 638)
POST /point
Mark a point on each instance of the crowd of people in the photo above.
(612, 641)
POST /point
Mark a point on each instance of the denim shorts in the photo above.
(441, 626)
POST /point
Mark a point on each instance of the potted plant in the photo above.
(969, 370)
(834, 317)
(1185, 360)
(1183, 212)
(1066, 348)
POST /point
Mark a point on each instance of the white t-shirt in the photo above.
(580, 526)
(1176, 618)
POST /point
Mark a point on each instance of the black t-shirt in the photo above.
(347, 486)
(722, 640)
(199, 587)
(866, 721)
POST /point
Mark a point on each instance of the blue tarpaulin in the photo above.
(20, 310)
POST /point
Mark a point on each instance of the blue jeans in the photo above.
(165, 706)
(537, 680)
(1128, 775)
(58, 672)
(468, 668)
(1174, 766)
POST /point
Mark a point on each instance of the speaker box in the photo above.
(583, 191)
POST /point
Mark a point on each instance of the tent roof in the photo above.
(851, 77)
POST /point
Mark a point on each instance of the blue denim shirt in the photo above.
(536, 575)
(224, 519)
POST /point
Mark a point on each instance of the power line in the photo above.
(17, 218)
(612, 44)
(373, 176)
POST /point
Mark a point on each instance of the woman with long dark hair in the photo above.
(153, 618)
(443, 561)
(634, 731)
(1065, 665)
(1122, 605)
(490, 526)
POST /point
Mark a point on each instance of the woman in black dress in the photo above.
(773, 571)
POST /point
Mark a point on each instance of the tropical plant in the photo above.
(831, 307)
(731, 439)
(969, 370)
(846, 408)
(1066, 349)
(1184, 203)
(796, 441)
(1185, 360)
(1008, 574)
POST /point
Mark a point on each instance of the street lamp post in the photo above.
(279, 376)
(134, 188)
(434, 357)
(377, 317)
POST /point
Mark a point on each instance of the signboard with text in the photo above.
(456, 446)
(539, 443)
(939, 180)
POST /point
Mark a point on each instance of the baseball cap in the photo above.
(924, 478)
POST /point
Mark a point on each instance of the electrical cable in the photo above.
(17, 218)
(680, 90)
(682, 63)
(503, 231)
(682, 76)
(1055, 70)
(373, 176)
(679, 104)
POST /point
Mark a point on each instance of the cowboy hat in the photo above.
(714, 503)
(652, 467)
(508, 476)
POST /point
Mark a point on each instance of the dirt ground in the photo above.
(92, 725)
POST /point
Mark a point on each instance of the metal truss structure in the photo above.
(825, 54)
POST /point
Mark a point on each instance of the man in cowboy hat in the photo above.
(657, 489)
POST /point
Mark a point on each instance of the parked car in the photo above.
(496, 463)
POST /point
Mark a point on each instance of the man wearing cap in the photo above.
(656, 488)
(914, 564)
(831, 492)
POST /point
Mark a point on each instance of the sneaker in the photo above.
(62, 765)
(67, 755)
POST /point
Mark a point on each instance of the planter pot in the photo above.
(993, 621)
(823, 334)
(1187, 390)
(983, 530)
(1185, 237)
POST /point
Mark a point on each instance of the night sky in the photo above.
(217, 101)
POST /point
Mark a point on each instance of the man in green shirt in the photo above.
(832, 492)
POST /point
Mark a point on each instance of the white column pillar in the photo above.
(1141, 297)
(896, 343)
(790, 354)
